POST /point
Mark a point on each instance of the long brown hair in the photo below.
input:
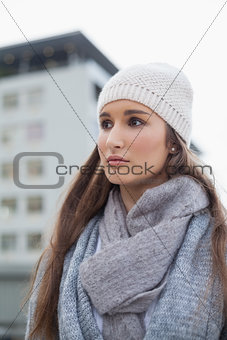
(87, 194)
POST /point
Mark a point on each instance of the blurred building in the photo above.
(44, 85)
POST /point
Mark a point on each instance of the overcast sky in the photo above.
(130, 32)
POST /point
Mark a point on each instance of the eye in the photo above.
(104, 124)
(133, 119)
(132, 122)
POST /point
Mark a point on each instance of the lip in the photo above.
(116, 159)
(117, 162)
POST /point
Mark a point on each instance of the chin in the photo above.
(129, 180)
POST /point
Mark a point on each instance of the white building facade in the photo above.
(48, 96)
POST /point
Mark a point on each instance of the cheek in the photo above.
(101, 142)
(149, 143)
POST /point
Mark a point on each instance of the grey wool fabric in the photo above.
(134, 265)
(127, 275)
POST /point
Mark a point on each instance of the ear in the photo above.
(172, 148)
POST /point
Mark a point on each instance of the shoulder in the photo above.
(189, 307)
(42, 267)
(223, 334)
(35, 291)
(200, 226)
(195, 253)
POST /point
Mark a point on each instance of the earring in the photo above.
(173, 149)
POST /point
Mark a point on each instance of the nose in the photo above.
(115, 138)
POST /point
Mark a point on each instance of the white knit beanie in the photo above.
(157, 86)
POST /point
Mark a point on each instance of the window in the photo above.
(9, 65)
(10, 101)
(7, 136)
(8, 242)
(35, 131)
(50, 59)
(69, 47)
(9, 206)
(51, 63)
(35, 97)
(97, 91)
(35, 168)
(34, 241)
(34, 204)
(7, 170)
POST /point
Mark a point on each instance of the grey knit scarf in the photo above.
(137, 249)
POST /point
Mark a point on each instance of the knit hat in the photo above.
(157, 86)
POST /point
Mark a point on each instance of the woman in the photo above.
(139, 248)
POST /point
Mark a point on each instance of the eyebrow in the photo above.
(126, 113)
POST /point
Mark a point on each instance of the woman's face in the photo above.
(145, 150)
